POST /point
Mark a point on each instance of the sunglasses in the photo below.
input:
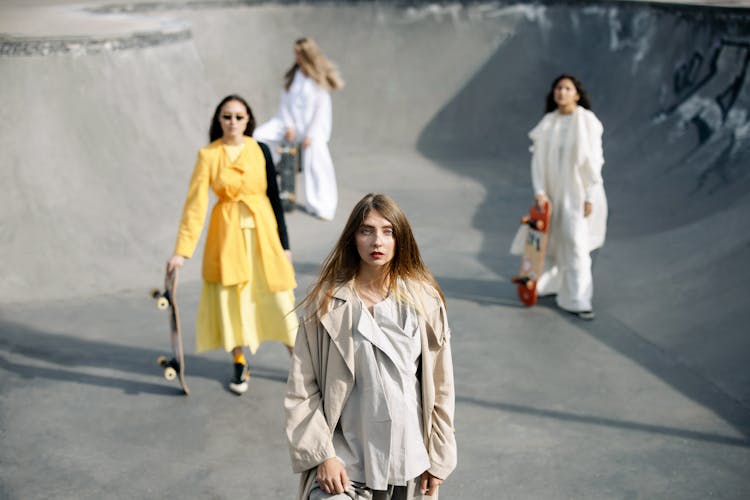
(239, 118)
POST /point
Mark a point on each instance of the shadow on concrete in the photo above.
(672, 89)
(622, 339)
(611, 332)
(676, 146)
(605, 422)
(307, 268)
(483, 292)
(74, 355)
(34, 371)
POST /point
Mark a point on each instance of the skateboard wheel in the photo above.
(170, 373)
(161, 361)
(162, 303)
(155, 292)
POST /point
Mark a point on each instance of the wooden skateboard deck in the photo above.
(534, 251)
(287, 169)
(174, 366)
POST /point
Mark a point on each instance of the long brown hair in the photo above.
(343, 261)
(315, 65)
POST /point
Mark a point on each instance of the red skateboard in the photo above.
(174, 366)
(534, 250)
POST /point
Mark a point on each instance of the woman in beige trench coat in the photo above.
(370, 396)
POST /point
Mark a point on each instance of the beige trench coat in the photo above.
(321, 378)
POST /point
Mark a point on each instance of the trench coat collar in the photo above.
(338, 323)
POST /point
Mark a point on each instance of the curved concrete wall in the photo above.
(92, 147)
(97, 146)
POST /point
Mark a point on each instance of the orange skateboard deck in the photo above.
(534, 251)
(174, 367)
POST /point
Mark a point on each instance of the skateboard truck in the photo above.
(525, 281)
(171, 367)
(533, 224)
(162, 298)
(526, 289)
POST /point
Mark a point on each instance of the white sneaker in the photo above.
(586, 315)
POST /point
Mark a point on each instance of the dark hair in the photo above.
(215, 131)
(343, 261)
(584, 101)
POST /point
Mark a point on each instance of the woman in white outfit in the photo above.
(304, 117)
(566, 170)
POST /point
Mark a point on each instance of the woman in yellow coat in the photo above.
(247, 296)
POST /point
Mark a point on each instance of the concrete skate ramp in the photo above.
(98, 142)
(101, 115)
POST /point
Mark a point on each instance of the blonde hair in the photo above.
(342, 263)
(315, 65)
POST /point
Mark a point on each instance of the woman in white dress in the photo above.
(305, 117)
(566, 170)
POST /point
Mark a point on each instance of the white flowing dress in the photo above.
(566, 166)
(306, 108)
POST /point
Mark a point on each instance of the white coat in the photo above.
(306, 108)
(566, 166)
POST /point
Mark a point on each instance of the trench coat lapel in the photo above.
(338, 324)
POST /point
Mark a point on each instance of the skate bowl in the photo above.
(99, 138)
(103, 112)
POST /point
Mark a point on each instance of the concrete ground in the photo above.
(649, 401)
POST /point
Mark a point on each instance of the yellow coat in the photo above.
(242, 181)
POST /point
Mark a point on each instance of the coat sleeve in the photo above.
(591, 169)
(196, 205)
(537, 163)
(310, 439)
(320, 125)
(272, 191)
(537, 173)
(442, 439)
(285, 109)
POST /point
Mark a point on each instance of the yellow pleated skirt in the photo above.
(247, 314)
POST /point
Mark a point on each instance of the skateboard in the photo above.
(534, 250)
(287, 170)
(173, 367)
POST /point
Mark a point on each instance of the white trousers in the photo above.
(573, 285)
